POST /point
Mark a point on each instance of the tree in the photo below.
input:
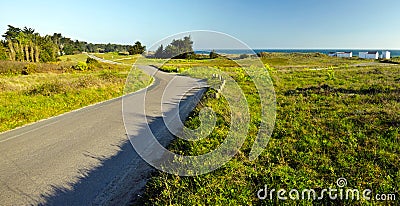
(23, 44)
(48, 50)
(178, 48)
(28, 30)
(11, 33)
(108, 48)
(137, 48)
(27, 45)
(171, 51)
(90, 47)
(3, 54)
(184, 45)
(159, 52)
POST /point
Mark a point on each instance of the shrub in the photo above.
(90, 60)
(109, 75)
(330, 74)
(81, 66)
(3, 53)
(244, 56)
(48, 89)
(213, 55)
(186, 55)
(166, 68)
(29, 69)
(270, 69)
(11, 67)
(262, 54)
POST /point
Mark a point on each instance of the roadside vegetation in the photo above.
(46, 75)
(33, 91)
(27, 45)
(342, 121)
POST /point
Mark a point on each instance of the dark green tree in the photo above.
(137, 48)
(23, 44)
(11, 33)
(159, 52)
(68, 49)
(178, 48)
(48, 50)
(90, 47)
(108, 48)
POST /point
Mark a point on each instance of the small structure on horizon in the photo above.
(369, 55)
(385, 55)
(341, 54)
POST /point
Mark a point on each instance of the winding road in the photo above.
(84, 157)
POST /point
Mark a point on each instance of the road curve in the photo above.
(84, 157)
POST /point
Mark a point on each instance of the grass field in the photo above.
(279, 61)
(333, 123)
(74, 58)
(114, 56)
(51, 89)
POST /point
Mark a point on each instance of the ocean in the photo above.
(393, 53)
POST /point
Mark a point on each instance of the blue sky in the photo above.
(260, 24)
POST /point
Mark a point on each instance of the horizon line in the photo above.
(298, 48)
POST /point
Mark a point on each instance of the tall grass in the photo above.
(53, 89)
(326, 128)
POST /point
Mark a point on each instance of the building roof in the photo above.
(372, 52)
(340, 52)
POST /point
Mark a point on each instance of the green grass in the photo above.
(280, 61)
(330, 124)
(114, 56)
(311, 60)
(56, 90)
(74, 58)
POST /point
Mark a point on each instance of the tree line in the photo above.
(29, 46)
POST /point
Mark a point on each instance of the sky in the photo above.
(288, 24)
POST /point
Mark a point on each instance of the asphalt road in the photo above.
(84, 157)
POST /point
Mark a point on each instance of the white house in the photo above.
(385, 55)
(332, 54)
(344, 54)
(341, 54)
(369, 55)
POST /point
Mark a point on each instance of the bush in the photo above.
(109, 75)
(90, 60)
(169, 68)
(186, 55)
(29, 69)
(244, 56)
(3, 53)
(48, 89)
(11, 67)
(263, 54)
(81, 66)
(213, 55)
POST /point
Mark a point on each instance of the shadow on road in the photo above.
(115, 166)
(123, 175)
